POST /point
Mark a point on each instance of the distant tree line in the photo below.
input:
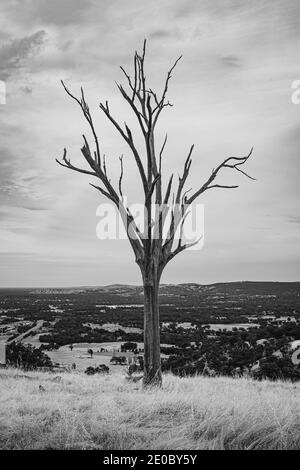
(26, 356)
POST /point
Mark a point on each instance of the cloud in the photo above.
(57, 12)
(15, 53)
(21, 186)
(16, 186)
(216, 8)
(16, 253)
(163, 34)
(26, 89)
(61, 12)
(230, 61)
(294, 220)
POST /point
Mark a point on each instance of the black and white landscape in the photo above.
(149, 225)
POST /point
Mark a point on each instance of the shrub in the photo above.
(101, 369)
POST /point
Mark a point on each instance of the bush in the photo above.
(101, 369)
(49, 347)
(118, 360)
(129, 346)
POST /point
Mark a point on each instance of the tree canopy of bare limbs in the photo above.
(156, 243)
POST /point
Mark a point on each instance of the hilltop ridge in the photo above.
(165, 286)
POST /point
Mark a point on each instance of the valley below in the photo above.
(220, 329)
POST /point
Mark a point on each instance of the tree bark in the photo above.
(152, 364)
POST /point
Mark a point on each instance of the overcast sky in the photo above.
(231, 90)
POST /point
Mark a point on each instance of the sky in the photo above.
(231, 91)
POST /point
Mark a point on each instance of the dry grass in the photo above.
(80, 412)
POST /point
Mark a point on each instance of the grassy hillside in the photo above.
(80, 412)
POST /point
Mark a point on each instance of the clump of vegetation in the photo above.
(129, 346)
(26, 357)
(277, 369)
(101, 369)
(120, 360)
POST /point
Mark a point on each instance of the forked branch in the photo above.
(230, 162)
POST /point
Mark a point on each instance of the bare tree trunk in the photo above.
(152, 365)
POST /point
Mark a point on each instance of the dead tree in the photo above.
(156, 243)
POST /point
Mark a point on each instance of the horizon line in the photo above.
(140, 285)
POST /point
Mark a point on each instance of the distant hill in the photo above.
(238, 287)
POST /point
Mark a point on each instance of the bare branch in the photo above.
(134, 108)
(161, 152)
(162, 103)
(222, 186)
(86, 112)
(179, 209)
(121, 176)
(181, 248)
(152, 187)
(168, 191)
(186, 170)
(104, 164)
(69, 165)
(230, 162)
(128, 139)
(102, 191)
(133, 232)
